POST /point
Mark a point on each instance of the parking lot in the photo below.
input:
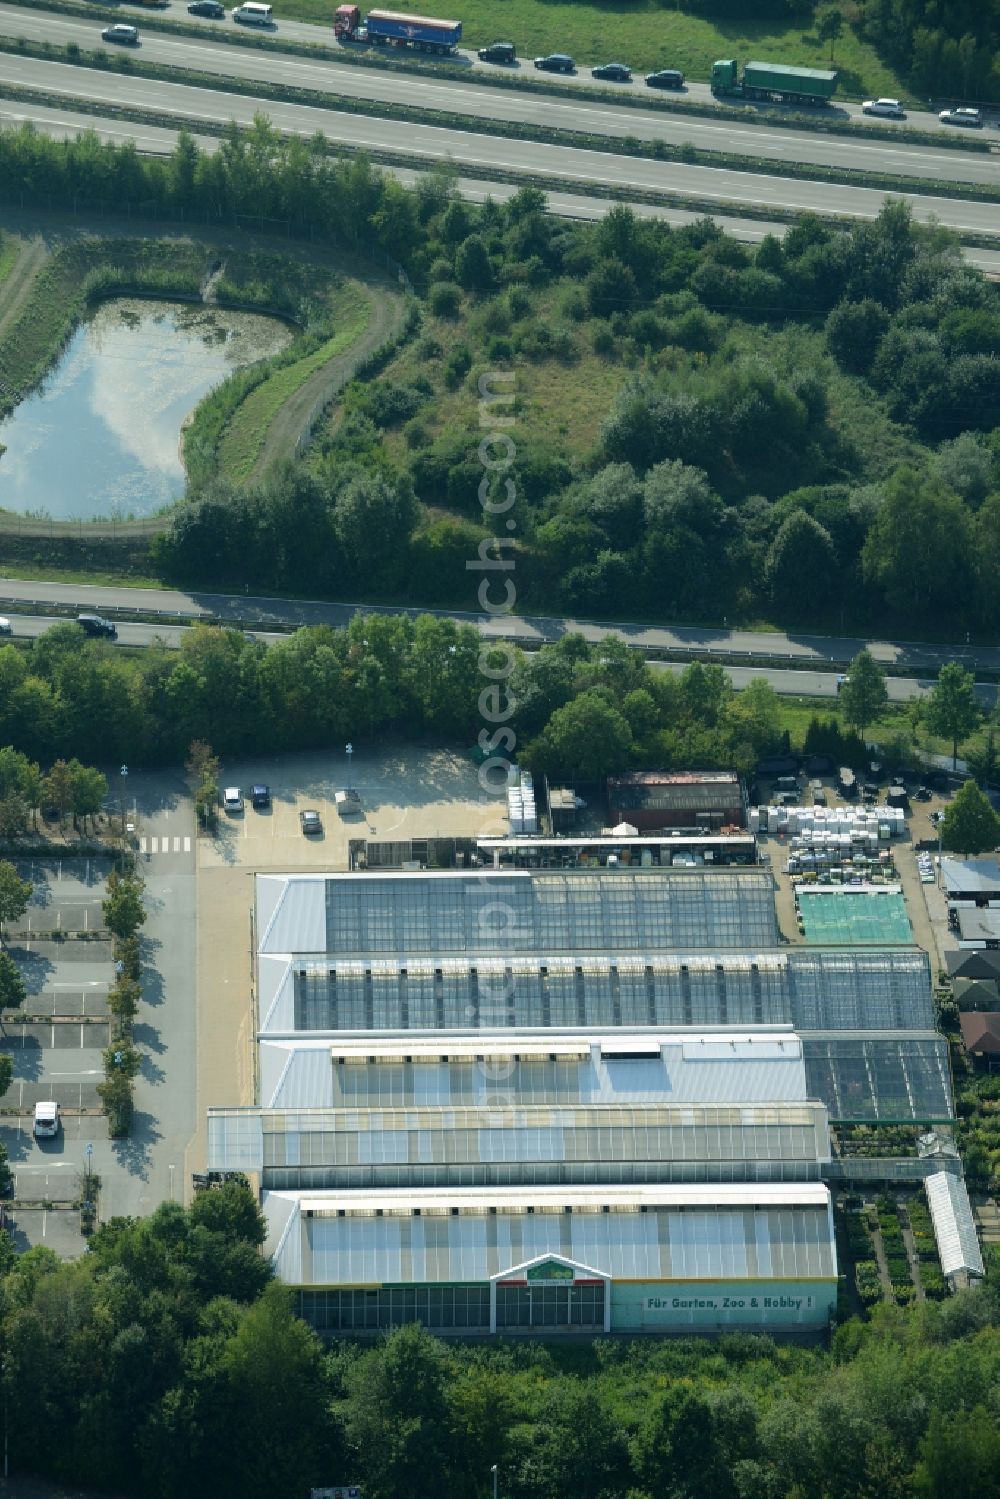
(402, 795)
(56, 1041)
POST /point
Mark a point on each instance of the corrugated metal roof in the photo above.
(971, 876)
(291, 919)
(954, 1225)
(683, 1234)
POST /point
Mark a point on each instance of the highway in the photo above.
(322, 36)
(260, 612)
(787, 681)
(510, 159)
(212, 56)
(64, 124)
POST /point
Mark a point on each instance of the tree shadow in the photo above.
(27, 1054)
(133, 1153)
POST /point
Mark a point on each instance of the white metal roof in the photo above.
(622, 1199)
(954, 1225)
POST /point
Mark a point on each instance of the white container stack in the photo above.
(521, 811)
(863, 826)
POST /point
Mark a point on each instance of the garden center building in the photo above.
(537, 1100)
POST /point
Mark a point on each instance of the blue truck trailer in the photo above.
(391, 28)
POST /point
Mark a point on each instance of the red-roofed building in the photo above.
(654, 799)
(981, 1034)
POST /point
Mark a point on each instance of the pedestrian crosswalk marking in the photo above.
(165, 844)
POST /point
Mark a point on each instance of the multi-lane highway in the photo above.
(609, 120)
(484, 153)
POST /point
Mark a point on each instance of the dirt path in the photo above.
(388, 311)
(16, 288)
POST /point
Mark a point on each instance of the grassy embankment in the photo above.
(230, 426)
(646, 36)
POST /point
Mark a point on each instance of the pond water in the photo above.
(101, 436)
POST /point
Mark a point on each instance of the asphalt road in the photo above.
(64, 124)
(510, 159)
(321, 36)
(612, 121)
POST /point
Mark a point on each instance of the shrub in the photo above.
(445, 299)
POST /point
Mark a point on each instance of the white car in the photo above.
(970, 117)
(232, 799)
(46, 1120)
(890, 108)
(5, 625)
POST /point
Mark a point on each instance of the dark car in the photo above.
(612, 72)
(665, 78)
(498, 52)
(260, 797)
(310, 821)
(126, 36)
(210, 8)
(556, 62)
(93, 624)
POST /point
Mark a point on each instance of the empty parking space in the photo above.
(57, 1227)
(67, 895)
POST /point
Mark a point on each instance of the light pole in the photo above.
(88, 1156)
(124, 775)
(493, 1470)
(348, 751)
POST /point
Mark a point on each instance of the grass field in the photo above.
(9, 249)
(246, 432)
(645, 34)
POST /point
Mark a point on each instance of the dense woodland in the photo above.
(942, 47)
(770, 432)
(168, 1363)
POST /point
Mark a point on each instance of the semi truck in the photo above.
(390, 28)
(774, 82)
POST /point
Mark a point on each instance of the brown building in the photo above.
(981, 1034)
(654, 799)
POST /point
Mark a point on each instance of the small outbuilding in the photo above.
(981, 1035)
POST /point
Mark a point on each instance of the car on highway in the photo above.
(232, 799)
(46, 1120)
(211, 9)
(310, 821)
(125, 36)
(260, 797)
(95, 624)
(612, 72)
(968, 117)
(556, 62)
(665, 78)
(6, 628)
(498, 52)
(890, 109)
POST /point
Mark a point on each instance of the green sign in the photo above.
(550, 1270)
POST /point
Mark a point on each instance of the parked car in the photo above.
(969, 117)
(922, 794)
(93, 624)
(46, 1120)
(232, 799)
(209, 8)
(498, 52)
(125, 36)
(612, 72)
(310, 821)
(890, 109)
(5, 625)
(665, 78)
(556, 62)
(260, 797)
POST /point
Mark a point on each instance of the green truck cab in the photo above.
(773, 82)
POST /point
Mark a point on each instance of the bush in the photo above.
(445, 299)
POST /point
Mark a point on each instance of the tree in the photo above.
(57, 788)
(829, 27)
(952, 709)
(801, 567)
(89, 788)
(122, 906)
(398, 1416)
(919, 550)
(6, 1078)
(588, 737)
(984, 763)
(853, 331)
(970, 825)
(15, 893)
(473, 268)
(864, 693)
(13, 990)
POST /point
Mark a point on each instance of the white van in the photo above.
(46, 1120)
(253, 14)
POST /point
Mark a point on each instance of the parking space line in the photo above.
(187, 845)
